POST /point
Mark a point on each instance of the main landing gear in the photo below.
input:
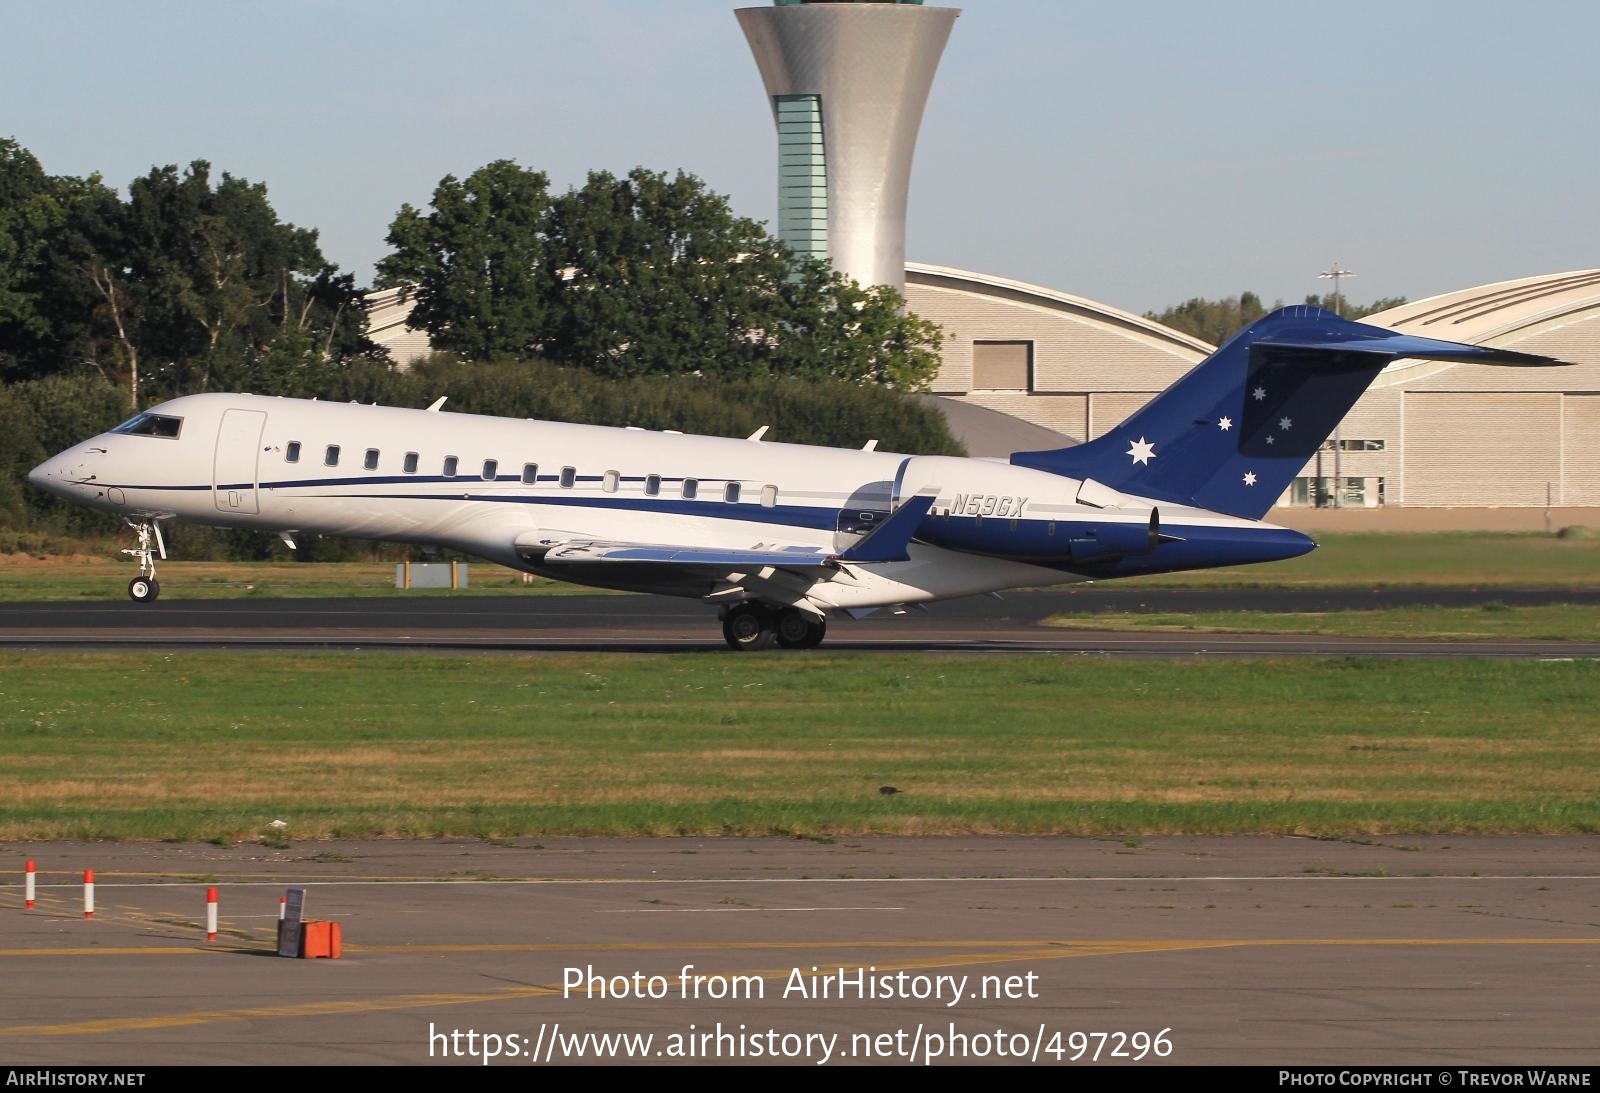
(145, 587)
(752, 626)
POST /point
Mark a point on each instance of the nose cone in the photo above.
(50, 475)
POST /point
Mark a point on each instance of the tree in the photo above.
(1216, 321)
(659, 276)
(29, 215)
(220, 279)
(185, 282)
(1212, 321)
(1354, 311)
(832, 328)
(640, 275)
(476, 265)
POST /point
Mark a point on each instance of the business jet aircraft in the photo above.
(778, 536)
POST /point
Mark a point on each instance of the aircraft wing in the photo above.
(888, 542)
(585, 552)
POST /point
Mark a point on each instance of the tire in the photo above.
(748, 628)
(143, 589)
(798, 630)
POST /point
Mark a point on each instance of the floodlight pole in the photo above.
(1333, 274)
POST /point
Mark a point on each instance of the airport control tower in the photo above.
(848, 81)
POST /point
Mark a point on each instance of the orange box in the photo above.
(320, 939)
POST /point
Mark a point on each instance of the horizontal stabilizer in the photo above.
(1354, 338)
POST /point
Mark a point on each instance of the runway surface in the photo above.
(1436, 951)
(661, 624)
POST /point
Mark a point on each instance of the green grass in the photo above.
(216, 746)
(1544, 622)
(81, 579)
(1484, 559)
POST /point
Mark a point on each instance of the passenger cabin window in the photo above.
(330, 457)
(411, 463)
(769, 497)
(652, 485)
(151, 425)
(569, 475)
(291, 454)
(530, 474)
(609, 483)
(691, 488)
(450, 463)
(730, 492)
(371, 461)
(491, 467)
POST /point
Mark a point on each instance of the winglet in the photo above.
(888, 541)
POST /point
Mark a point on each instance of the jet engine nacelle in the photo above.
(1102, 540)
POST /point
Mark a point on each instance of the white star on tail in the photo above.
(1284, 423)
(1249, 478)
(1225, 423)
(1272, 440)
(1142, 451)
(1259, 393)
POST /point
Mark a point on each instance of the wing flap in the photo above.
(586, 552)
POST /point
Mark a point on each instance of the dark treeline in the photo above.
(1216, 321)
(188, 283)
(639, 275)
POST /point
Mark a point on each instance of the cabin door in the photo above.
(234, 472)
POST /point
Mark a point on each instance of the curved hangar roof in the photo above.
(1489, 314)
(1048, 299)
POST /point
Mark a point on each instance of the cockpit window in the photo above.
(151, 425)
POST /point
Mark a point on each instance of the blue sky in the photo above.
(1136, 153)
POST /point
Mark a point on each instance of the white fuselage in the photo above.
(504, 488)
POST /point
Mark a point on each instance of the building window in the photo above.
(769, 497)
(411, 463)
(291, 454)
(1002, 366)
(652, 485)
(330, 456)
(691, 488)
(491, 467)
(1345, 445)
(609, 482)
(450, 464)
(530, 473)
(802, 175)
(569, 475)
(730, 492)
(371, 460)
(1354, 492)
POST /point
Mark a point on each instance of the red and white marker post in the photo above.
(88, 893)
(27, 884)
(211, 914)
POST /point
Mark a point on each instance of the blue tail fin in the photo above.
(1235, 430)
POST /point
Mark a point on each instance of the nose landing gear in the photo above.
(145, 587)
